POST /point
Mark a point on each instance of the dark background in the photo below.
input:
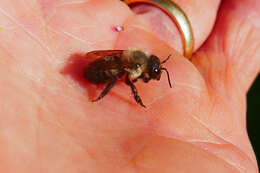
(253, 116)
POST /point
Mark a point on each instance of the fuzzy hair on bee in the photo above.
(134, 64)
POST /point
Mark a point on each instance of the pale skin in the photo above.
(48, 123)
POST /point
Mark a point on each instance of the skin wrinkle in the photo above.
(83, 27)
(227, 76)
(43, 20)
(26, 4)
(75, 37)
(240, 64)
(34, 37)
(60, 5)
(138, 153)
(134, 155)
(189, 86)
(31, 8)
(240, 153)
(99, 20)
(178, 137)
(207, 79)
(205, 126)
(253, 13)
(211, 86)
(60, 44)
(239, 42)
(55, 92)
(224, 141)
(197, 146)
(257, 44)
(164, 95)
(223, 138)
(130, 160)
(83, 2)
(228, 49)
(63, 96)
(74, 140)
(61, 126)
(252, 65)
(161, 97)
(30, 77)
(81, 145)
(240, 168)
(72, 2)
(50, 16)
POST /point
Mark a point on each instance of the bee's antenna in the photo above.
(169, 81)
(164, 61)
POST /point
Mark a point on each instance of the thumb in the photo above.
(231, 55)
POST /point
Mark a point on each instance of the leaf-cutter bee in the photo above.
(134, 64)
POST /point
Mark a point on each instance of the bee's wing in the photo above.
(102, 53)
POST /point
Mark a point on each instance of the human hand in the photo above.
(48, 123)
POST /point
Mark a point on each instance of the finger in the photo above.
(153, 20)
(229, 61)
(231, 54)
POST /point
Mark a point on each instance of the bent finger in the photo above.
(155, 21)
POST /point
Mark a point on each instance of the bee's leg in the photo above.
(134, 91)
(106, 90)
(135, 80)
(146, 79)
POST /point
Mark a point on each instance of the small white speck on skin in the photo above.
(118, 28)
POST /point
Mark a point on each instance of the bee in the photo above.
(134, 64)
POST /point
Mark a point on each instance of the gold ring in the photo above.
(178, 16)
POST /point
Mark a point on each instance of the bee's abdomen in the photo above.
(103, 70)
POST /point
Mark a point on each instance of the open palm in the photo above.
(48, 123)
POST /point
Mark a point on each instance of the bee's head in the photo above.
(155, 68)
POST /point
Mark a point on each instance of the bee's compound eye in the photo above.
(156, 71)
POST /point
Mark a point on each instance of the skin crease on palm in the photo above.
(48, 123)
